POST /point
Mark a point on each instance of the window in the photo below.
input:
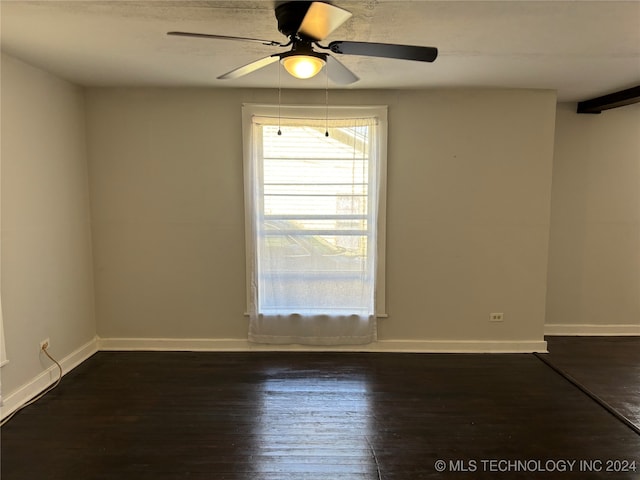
(315, 219)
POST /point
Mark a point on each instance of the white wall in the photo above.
(594, 258)
(469, 187)
(47, 278)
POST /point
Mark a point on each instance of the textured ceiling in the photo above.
(579, 48)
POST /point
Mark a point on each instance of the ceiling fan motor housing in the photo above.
(290, 16)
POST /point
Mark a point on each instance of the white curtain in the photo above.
(313, 224)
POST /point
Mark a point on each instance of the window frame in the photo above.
(250, 110)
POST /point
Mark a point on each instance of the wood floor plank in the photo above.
(308, 416)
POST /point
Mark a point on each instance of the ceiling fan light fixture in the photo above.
(303, 66)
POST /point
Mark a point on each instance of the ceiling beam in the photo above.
(613, 100)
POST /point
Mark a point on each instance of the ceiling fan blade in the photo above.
(250, 67)
(225, 37)
(338, 73)
(386, 50)
(321, 19)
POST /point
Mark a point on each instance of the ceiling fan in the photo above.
(306, 23)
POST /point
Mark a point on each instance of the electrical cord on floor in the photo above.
(41, 394)
(375, 457)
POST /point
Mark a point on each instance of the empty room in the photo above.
(347, 240)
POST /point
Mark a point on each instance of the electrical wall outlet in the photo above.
(496, 317)
(45, 344)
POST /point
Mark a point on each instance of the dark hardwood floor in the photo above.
(608, 366)
(305, 416)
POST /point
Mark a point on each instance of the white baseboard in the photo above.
(242, 345)
(592, 330)
(29, 390)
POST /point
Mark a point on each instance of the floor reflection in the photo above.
(310, 423)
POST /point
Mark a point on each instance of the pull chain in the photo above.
(326, 101)
(279, 99)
